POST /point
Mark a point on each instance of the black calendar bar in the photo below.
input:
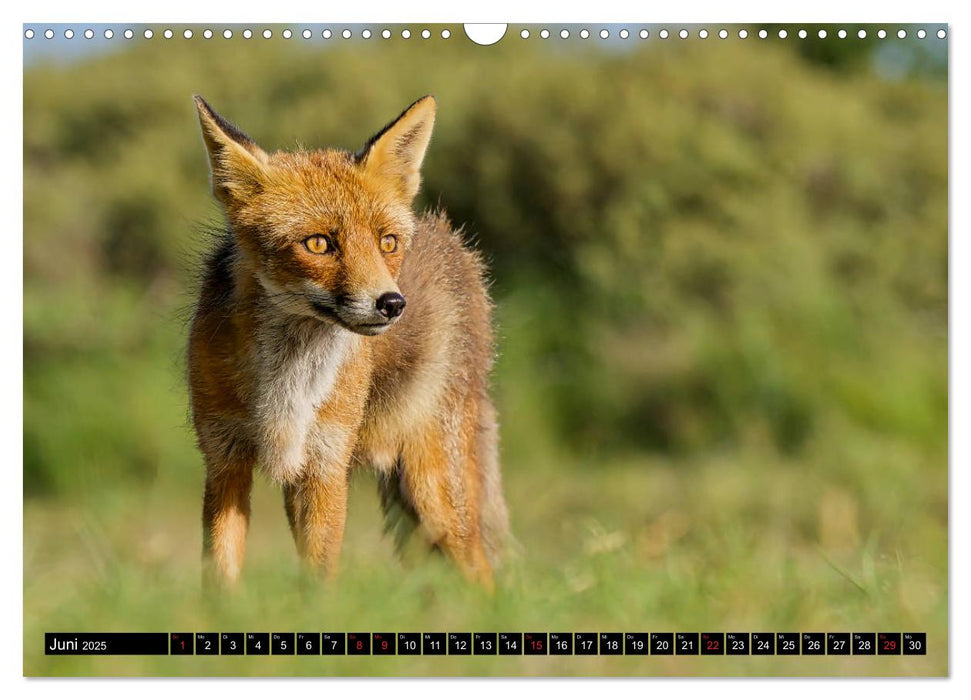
(804, 644)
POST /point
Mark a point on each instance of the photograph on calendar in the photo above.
(566, 350)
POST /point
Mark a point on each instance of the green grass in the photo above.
(716, 544)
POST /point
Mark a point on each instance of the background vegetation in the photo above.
(721, 280)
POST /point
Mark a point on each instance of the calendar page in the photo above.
(485, 350)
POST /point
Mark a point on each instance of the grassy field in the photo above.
(720, 272)
(688, 547)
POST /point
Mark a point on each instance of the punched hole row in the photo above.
(445, 34)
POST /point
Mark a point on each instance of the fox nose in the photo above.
(391, 304)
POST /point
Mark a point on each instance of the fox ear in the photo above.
(236, 162)
(395, 153)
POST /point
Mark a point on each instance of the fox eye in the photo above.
(318, 244)
(389, 243)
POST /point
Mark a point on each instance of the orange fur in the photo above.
(302, 363)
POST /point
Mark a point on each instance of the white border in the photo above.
(603, 11)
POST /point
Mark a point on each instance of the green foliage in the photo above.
(694, 239)
(721, 278)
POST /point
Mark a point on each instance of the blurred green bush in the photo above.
(695, 245)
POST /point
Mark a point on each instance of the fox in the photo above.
(338, 329)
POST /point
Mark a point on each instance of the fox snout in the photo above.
(365, 314)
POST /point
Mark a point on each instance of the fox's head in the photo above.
(325, 231)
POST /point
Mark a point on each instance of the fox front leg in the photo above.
(316, 502)
(225, 519)
(317, 510)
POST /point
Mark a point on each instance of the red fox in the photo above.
(337, 329)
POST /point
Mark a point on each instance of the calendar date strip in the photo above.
(486, 643)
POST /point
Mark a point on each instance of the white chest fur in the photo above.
(297, 366)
